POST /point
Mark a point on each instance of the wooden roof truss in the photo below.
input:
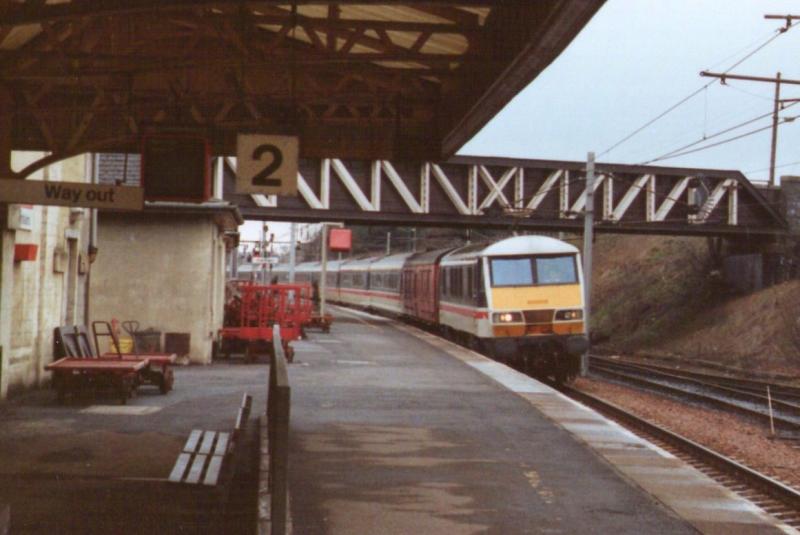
(353, 79)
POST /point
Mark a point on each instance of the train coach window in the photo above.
(556, 270)
(456, 282)
(512, 272)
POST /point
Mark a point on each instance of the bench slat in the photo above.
(205, 451)
(240, 419)
(208, 441)
(180, 467)
(193, 440)
(221, 448)
(197, 469)
(212, 473)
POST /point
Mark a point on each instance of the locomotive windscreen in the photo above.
(533, 271)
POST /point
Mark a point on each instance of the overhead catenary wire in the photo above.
(774, 35)
(724, 141)
(789, 164)
(669, 154)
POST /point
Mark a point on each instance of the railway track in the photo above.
(776, 498)
(733, 379)
(720, 392)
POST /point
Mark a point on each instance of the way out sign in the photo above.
(71, 194)
(266, 164)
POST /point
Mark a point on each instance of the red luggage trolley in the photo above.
(252, 311)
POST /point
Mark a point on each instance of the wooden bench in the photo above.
(5, 519)
(206, 452)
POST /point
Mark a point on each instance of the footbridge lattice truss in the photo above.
(520, 194)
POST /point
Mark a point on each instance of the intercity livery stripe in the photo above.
(447, 307)
(464, 310)
(370, 293)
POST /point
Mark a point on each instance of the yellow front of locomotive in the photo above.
(535, 303)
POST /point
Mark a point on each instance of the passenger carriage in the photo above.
(420, 286)
(384, 283)
(354, 281)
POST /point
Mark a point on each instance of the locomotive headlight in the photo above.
(567, 315)
(507, 317)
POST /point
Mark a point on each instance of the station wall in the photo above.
(166, 271)
(40, 294)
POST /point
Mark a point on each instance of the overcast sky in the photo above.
(635, 59)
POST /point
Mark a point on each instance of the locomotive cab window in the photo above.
(512, 272)
(556, 270)
(534, 271)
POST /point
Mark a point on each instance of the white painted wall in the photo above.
(32, 293)
(165, 271)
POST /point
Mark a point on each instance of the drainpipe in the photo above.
(92, 249)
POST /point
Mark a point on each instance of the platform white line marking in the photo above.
(129, 410)
(355, 313)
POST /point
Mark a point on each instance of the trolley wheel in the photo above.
(165, 381)
(250, 354)
(289, 352)
(125, 390)
(225, 349)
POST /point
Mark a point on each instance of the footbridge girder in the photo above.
(537, 195)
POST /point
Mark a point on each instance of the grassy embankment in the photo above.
(656, 295)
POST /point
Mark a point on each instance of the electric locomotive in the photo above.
(519, 300)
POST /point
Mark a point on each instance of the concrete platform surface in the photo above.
(393, 431)
(392, 434)
(94, 466)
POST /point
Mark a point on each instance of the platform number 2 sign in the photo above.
(266, 164)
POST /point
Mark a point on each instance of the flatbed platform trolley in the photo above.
(251, 312)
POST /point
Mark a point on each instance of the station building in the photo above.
(164, 267)
(44, 274)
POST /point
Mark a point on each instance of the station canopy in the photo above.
(387, 79)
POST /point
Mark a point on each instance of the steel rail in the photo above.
(758, 386)
(786, 497)
(780, 423)
(735, 393)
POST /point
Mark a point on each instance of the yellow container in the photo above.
(125, 345)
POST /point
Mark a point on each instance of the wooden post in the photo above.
(5, 519)
(6, 107)
(774, 144)
(278, 405)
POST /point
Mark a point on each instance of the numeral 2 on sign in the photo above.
(262, 177)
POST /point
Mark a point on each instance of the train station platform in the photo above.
(393, 431)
